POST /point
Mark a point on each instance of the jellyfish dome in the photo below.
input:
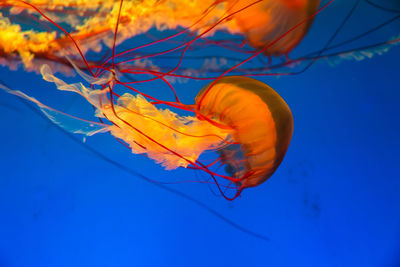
(265, 22)
(262, 126)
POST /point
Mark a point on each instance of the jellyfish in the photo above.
(31, 34)
(243, 119)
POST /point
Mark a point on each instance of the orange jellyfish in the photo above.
(92, 25)
(244, 120)
(31, 34)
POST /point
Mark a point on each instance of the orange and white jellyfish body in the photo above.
(245, 121)
(262, 125)
(268, 20)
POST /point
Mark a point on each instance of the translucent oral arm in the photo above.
(68, 122)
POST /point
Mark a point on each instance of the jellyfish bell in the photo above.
(262, 126)
(266, 21)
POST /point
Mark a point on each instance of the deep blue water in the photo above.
(334, 201)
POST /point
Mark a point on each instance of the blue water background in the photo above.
(334, 201)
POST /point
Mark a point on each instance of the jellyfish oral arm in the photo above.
(68, 122)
